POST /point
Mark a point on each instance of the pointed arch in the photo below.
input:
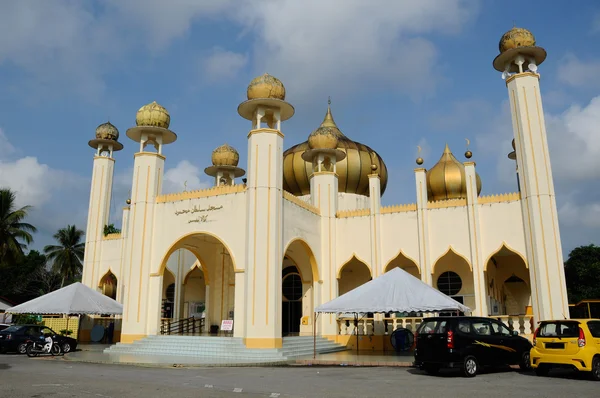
(106, 274)
(312, 259)
(353, 256)
(196, 266)
(358, 273)
(108, 283)
(504, 245)
(401, 252)
(451, 250)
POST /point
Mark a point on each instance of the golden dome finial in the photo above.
(515, 42)
(328, 120)
(468, 153)
(447, 180)
(225, 155)
(266, 86)
(153, 115)
(419, 158)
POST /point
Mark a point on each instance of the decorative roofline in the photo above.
(353, 213)
(114, 236)
(300, 203)
(200, 193)
(398, 208)
(442, 204)
(499, 198)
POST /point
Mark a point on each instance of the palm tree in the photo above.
(67, 256)
(15, 234)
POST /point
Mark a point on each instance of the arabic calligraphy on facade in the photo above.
(196, 209)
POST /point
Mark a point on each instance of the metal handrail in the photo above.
(189, 325)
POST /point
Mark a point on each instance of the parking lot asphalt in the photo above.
(21, 376)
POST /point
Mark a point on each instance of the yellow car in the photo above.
(572, 343)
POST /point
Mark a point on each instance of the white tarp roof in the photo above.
(76, 298)
(394, 291)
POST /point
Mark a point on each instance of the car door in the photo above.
(506, 342)
(485, 344)
(594, 327)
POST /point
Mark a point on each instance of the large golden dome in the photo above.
(353, 171)
(446, 180)
(153, 115)
(225, 155)
(515, 42)
(516, 37)
(266, 86)
(107, 131)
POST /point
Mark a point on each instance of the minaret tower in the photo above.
(518, 61)
(105, 144)
(151, 131)
(224, 166)
(323, 155)
(265, 105)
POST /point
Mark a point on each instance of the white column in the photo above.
(477, 259)
(122, 275)
(98, 213)
(538, 201)
(375, 221)
(423, 226)
(239, 315)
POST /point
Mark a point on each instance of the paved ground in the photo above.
(21, 376)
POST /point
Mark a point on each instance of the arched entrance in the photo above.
(299, 272)
(207, 282)
(452, 276)
(507, 283)
(353, 274)
(405, 263)
(108, 285)
(167, 302)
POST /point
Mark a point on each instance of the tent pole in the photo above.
(356, 327)
(315, 315)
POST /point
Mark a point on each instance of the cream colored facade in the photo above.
(307, 224)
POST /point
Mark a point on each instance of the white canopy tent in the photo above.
(76, 298)
(394, 291)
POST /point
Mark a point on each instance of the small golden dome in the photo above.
(225, 155)
(468, 154)
(153, 115)
(420, 161)
(107, 131)
(323, 138)
(446, 180)
(374, 167)
(128, 201)
(516, 37)
(353, 171)
(266, 86)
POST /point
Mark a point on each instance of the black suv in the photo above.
(468, 343)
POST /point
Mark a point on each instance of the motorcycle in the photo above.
(48, 346)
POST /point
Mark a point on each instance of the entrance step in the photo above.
(225, 348)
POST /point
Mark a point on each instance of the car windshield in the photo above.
(12, 329)
(559, 329)
(432, 326)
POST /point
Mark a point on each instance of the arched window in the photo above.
(171, 293)
(449, 283)
(292, 287)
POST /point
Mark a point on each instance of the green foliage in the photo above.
(67, 256)
(66, 332)
(23, 319)
(582, 273)
(111, 229)
(15, 234)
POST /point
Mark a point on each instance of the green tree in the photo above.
(582, 273)
(67, 256)
(25, 279)
(15, 234)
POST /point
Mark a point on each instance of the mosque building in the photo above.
(306, 224)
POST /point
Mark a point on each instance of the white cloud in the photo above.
(184, 173)
(221, 65)
(578, 73)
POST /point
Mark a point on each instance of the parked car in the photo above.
(468, 343)
(567, 343)
(14, 338)
(3, 326)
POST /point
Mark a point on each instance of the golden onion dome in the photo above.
(154, 115)
(446, 180)
(225, 155)
(516, 37)
(107, 131)
(323, 138)
(266, 86)
(353, 171)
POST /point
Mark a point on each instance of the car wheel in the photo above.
(22, 348)
(596, 369)
(525, 363)
(542, 370)
(432, 369)
(66, 347)
(470, 366)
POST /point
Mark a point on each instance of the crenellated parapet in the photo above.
(353, 213)
(499, 198)
(442, 204)
(200, 193)
(399, 208)
(114, 236)
(300, 203)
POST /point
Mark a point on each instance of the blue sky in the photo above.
(400, 74)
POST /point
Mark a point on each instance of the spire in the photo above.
(328, 121)
(447, 149)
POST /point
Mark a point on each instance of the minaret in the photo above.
(105, 144)
(518, 61)
(152, 130)
(224, 166)
(324, 155)
(265, 105)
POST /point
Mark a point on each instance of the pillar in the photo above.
(423, 226)
(375, 221)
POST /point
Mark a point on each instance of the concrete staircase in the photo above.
(208, 349)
